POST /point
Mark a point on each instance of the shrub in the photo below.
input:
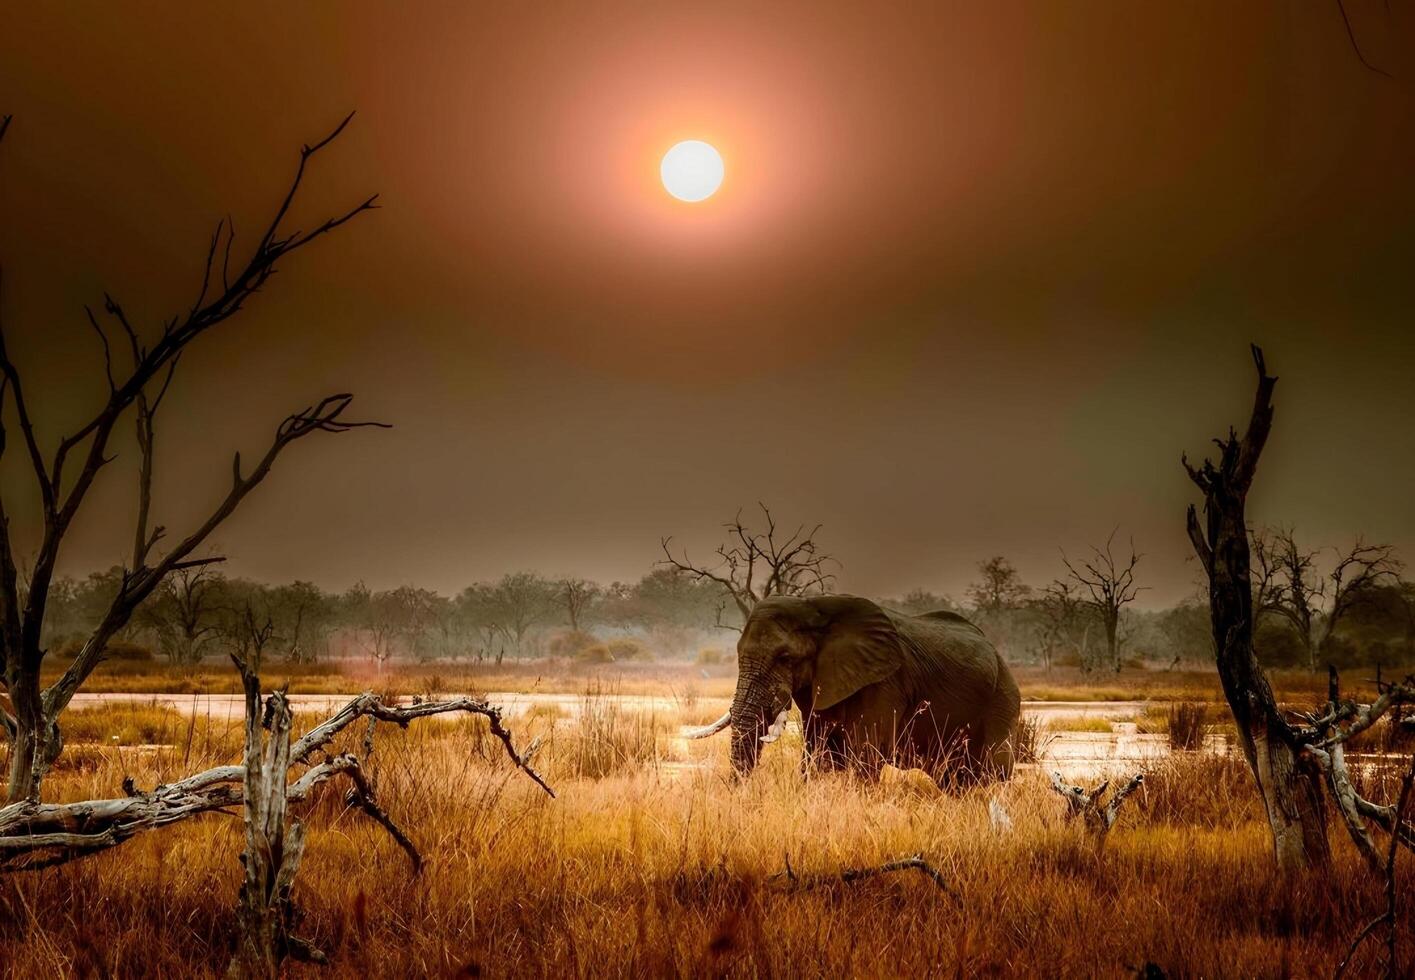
(570, 644)
(628, 649)
(714, 656)
(595, 653)
(1029, 739)
(1187, 725)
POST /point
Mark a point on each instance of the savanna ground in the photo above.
(644, 866)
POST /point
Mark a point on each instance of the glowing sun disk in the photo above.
(691, 170)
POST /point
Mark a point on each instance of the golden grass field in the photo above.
(559, 676)
(643, 867)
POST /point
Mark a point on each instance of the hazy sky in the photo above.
(977, 274)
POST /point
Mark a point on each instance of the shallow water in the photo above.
(1079, 754)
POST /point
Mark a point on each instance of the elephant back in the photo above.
(957, 665)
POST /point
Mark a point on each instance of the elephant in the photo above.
(873, 686)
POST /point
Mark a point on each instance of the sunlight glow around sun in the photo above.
(691, 171)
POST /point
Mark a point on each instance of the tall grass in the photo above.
(637, 870)
(644, 869)
(1186, 723)
(607, 738)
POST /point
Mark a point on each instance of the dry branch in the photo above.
(1388, 917)
(755, 564)
(1290, 762)
(1098, 817)
(851, 875)
(33, 727)
(34, 834)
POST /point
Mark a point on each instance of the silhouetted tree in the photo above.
(184, 613)
(306, 617)
(755, 564)
(998, 588)
(1290, 585)
(1060, 610)
(1290, 761)
(1110, 585)
(522, 601)
(64, 477)
(577, 595)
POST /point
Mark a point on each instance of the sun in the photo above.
(691, 171)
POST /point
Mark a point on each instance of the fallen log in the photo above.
(37, 835)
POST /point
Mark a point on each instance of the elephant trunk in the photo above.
(756, 714)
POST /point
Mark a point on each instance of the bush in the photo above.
(570, 644)
(1187, 724)
(1029, 739)
(127, 652)
(713, 656)
(621, 649)
(596, 653)
(628, 649)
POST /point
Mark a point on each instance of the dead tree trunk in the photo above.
(64, 477)
(1290, 787)
(265, 912)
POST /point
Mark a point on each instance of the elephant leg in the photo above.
(990, 745)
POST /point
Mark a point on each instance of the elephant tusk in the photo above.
(712, 729)
(774, 732)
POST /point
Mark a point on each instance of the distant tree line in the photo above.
(198, 612)
(1314, 606)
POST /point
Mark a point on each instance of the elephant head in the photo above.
(822, 649)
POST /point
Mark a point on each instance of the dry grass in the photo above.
(643, 870)
(1083, 723)
(549, 676)
(649, 866)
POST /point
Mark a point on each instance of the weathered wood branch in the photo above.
(34, 834)
(35, 734)
(371, 705)
(1387, 918)
(851, 875)
(1098, 817)
(1292, 793)
(265, 912)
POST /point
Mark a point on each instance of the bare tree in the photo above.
(1291, 586)
(1110, 583)
(577, 595)
(375, 621)
(1290, 762)
(1059, 609)
(184, 612)
(999, 588)
(753, 565)
(136, 391)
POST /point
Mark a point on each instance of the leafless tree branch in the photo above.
(755, 564)
(34, 834)
(141, 388)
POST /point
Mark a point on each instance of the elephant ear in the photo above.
(859, 647)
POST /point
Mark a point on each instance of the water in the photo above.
(1076, 753)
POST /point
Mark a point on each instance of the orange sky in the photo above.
(976, 276)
